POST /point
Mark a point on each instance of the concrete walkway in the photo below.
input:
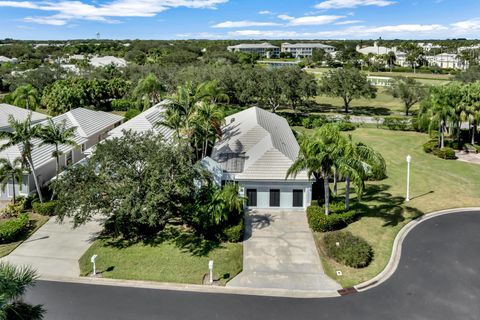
(55, 248)
(280, 253)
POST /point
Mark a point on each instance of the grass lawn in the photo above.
(177, 261)
(435, 185)
(36, 221)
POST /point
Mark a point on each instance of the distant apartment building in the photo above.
(265, 49)
(428, 46)
(447, 61)
(305, 49)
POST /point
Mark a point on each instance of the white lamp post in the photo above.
(93, 260)
(409, 161)
(210, 269)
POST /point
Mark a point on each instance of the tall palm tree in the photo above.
(318, 154)
(10, 171)
(13, 284)
(57, 134)
(26, 97)
(208, 122)
(150, 90)
(212, 91)
(23, 134)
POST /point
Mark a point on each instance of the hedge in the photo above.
(319, 222)
(121, 105)
(235, 234)
(45, 209)
(397, 124)
(10, 230)
(131, 113)
(347, 249)
(446, 153)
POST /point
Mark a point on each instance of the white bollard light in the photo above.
(409, 161)
(210, 269)
(93, 260)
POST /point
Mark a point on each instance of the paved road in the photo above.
(438, 278)
(280, 253)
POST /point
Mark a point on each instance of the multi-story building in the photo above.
(262, 49)
(305, 49)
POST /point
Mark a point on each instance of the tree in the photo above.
(208, 121)
(391, 59)
(319, 55)
(23, 133)
(13, 285)
(57, 134)
(318, 155)
(26, 97)
(348, 84)
(471, 75)
(409, 91)
(10, 171)
(212, 91)
(271, 88)
(297, 85)
(149, 90)
(135, 189)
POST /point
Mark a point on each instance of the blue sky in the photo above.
(239, 19)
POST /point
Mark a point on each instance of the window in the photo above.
(252, 197)
(297, 198)
(84, 147)
(274, 198)
(69, 158)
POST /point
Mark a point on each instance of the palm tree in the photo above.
(10, 171)
(57, 134)
(26, 97)
(23, 134)
(13, 284)
(318, 154)
(150, 90)
(208, 123)
(212, 91)
(224, 202)
(356, 164)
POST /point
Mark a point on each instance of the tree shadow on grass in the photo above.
(183, 239)
(381, 204)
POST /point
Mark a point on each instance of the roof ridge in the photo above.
(75, 123)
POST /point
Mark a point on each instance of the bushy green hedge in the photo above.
(121, 105)
(347, 249)
(346, 126)
(430, 146)
(14, 210)
(12, 229)
(337, 219)
(397, 124)
(235, 233)
(445, 153)
(45, 209)
(131, 113)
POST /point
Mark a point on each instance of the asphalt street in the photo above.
(438, 278)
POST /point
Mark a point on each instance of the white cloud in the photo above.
(265, 12)
(343, 23)
(244, 23)
(310, 20)
(467, 25)
(340, 4)
(46, 20)
(74, 9)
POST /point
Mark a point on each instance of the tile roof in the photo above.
(19, 114)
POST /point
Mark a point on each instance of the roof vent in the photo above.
(232, 120)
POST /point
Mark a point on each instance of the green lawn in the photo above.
(435, 185)
(175, 261)
(36, 222)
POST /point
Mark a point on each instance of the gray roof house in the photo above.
(19, 114)
(91, 128)
(263, 49)
(256, 150)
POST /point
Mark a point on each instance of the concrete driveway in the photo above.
(280, 253)
(55, 248)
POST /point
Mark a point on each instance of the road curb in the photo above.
(394, 261)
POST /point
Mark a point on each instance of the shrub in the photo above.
(121, 105)
(397, 123)
(235, 233)
(346, 126)
(351, 251)
(131, 113)
(430, 146)
(337, 219)
(46, 208)
(445, 153)
(10, 230)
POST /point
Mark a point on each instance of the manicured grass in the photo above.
(176, 261)
(435, 185)
(36, 222)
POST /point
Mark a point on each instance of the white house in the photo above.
(305, 49)
(256, 150)
(376, 49)
(91, 128)
(4, 60)
(447, 61)
(107, 61)
(19, 114)
(263, 49)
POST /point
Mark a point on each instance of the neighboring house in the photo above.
(149, 120)
(428, 46)
(91, 128)
(256, 150)
(107, 61)
(4, 60)
(376, 50)
(305, 49)
(19, 114)
(272, 64)
(447, 61)
(263, 49)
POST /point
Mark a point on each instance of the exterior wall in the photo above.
(19, 191)
(286, 193)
